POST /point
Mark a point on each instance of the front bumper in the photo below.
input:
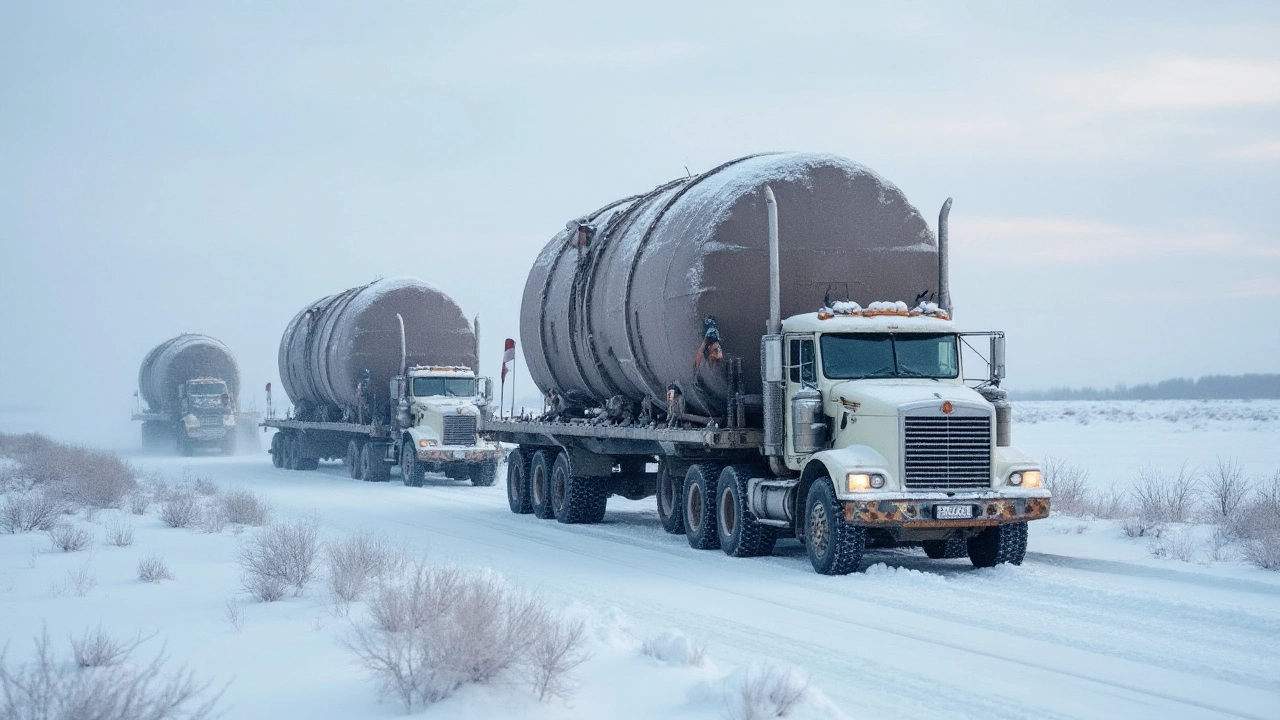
(460, 454)
(918, 513)
(210, 432)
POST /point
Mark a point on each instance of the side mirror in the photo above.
(997, 358)
(484, 388)
(771, 346)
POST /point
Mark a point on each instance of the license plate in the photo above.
(952, 512)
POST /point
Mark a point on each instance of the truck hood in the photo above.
(447, 405)
(883, 397)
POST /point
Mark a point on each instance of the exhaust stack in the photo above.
(944, 262)
(775, 292)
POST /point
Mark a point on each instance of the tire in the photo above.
(352, 460)
(999, 545)
(834, 546)
(740, 534)
(670, 494)
(947, 549)
(290, 447)
(302, 460)
(483, 474)
(410, 468)
(575, 499)
(518, 483)
(540, 484)
(700, 506)
(372, 469)
(277, 449)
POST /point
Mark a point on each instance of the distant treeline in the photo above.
(1210, 387)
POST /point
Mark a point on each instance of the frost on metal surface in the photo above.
(625, 313)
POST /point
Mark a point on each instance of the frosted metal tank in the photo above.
(177, 360)
(327, 346)
(619, 302)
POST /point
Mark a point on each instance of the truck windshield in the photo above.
(885, 355)
(453, 387)
(207, 388)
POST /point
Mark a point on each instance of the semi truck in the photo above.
(382, 376)
(190, 385)
(768, 349)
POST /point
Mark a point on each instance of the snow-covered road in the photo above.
(1062, 636)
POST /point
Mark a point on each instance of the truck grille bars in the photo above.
(459, 430)
(946, 453)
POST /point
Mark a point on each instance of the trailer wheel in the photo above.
(946, 549)
(302, 457)
(999, 545)
(700, 506)
(352, 460)
(376, 468)
(834, 546)
(670, 497)
(277, 449)
(740, 534)
(518, 483)
(540, 484)
(483, 473)
(410, 468)
(575, 499)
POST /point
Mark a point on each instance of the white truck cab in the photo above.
(439, 411)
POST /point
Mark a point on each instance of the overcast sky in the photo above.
(213, 167)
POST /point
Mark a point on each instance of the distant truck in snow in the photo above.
(768, 348)
(191, 386)
(382, 376)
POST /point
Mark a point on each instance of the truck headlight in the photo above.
(190, 421)
(424, 442)
(1026, 478)
(877, 481)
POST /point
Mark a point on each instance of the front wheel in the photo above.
(834, 546)
(999, 545)
(410, 468)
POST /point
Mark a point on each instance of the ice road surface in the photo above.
(1090, 626)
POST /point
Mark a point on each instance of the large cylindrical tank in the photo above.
(177, 360)
(328, 346)
(621, 308)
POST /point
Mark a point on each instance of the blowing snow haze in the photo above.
(171, 169)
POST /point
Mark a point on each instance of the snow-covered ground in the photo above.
(1090, 626)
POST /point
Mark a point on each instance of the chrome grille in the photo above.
(210, 419)
(945, 453)
(459, 429)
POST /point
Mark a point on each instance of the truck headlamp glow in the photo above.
(1026, 478)
(855, 482)
(426, 443)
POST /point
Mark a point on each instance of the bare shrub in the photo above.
(675, 648)
(153, 569)
(69, 538)
(1161, 497)
(262, 587)
(119, 533)
(29, 510)
(180, 510)
(1069, 485)
(48, 688)
(286, 554)
(354, 562)
(235, 615)
(765, 692)
(78, 581)
(212, 519)
(1258, 524)
(1226, 489)
(204, 485)
(555, 652)
(245, 507)
(1264, 551)
(1174, 544)
(1111, 504)
(1136, 526)
(98, 649)
(138, 502)
(435, 629)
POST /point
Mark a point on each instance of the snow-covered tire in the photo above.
(670, 494)
(575, 499)
(834, 546)
(352, 460)
(483, 473)
(540, 484)
(277, 449)
(999, 545)
(740, 534)
(410, 468)
(372, 468)
(946, 549)
(700, 506)
(518, 483)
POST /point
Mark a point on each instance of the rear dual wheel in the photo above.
(576, 499)
(670, 498)
(518, 496)
(740, 533)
